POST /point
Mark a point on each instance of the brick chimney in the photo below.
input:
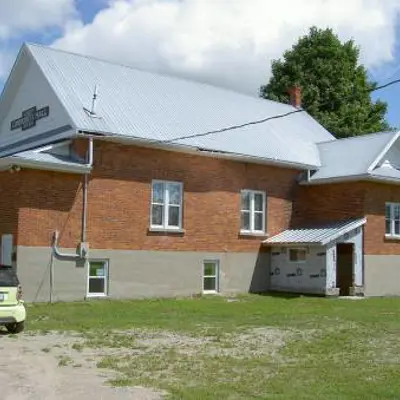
(295, 96)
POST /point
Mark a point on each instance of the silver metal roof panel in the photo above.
(352, 156)
(321, 235)
(137, 104)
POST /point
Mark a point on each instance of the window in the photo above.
(252, 211)
(297, 255)
(98, 278)
(166, 205)
(210, 276)
(392, 214)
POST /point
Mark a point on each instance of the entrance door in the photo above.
(344, 267)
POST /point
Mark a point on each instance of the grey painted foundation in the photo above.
(138, 274)
(382, 275)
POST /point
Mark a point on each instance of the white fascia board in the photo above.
(336, 179)
(48, 166)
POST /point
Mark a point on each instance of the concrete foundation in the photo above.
(332, 291)
(138, 274)
(357, 291)
(382, 275)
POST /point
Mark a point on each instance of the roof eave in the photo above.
(336, 179)
(384, 179)
(183, 148)
(344, 230)
(43, 165)
(352, 178)
(292, 244)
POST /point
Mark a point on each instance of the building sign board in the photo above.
(29, 118)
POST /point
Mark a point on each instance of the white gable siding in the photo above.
(392, 156)
(27, 88)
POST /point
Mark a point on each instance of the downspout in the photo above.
(83, 247)
(89, 162)
(62, 256)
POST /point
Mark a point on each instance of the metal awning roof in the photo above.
(320, 235)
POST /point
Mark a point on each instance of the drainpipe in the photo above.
(82, 251)
(62, 256)
(89, 162)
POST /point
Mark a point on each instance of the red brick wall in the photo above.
(328, 203)
(376, 196)
(49, 201)
(9, 192)
(119, 201)
(325, 203)
(39, 202)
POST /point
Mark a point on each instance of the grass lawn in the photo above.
(247, 347)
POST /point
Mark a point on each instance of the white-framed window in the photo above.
(298, 255)
(166, 205)
(210, 276)
(252, 212)
(392, 217)
(97, 278)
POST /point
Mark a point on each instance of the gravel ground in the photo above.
(30, 369)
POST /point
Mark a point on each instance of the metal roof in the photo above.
(319, 235)
(353, 156)
(38, 159)
(147, 106)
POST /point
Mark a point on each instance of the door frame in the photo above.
(345, 290)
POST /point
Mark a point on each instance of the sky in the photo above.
(229, 43)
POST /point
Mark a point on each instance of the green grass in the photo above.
(258, 347)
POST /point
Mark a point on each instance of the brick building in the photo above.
(118, 182)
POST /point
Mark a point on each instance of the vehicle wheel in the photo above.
(16, 327)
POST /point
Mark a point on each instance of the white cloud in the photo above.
(227, 42)
(21, 16)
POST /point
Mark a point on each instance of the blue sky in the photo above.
(388, 73)
(208, 41)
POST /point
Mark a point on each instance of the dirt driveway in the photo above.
(36, 367)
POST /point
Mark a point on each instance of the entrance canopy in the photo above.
(317, 235)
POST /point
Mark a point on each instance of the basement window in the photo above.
(297, 255)
(392, 218)
(166, 205)
(210, 276)
(98, 278)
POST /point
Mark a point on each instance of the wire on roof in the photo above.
(230, 128)
(261, 121)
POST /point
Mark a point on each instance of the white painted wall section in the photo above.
(27, 87)
(305, 277)
(317, 275)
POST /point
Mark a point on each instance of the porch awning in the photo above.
(318, 235)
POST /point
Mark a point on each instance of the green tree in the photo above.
(335, 87)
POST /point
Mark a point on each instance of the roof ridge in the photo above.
(163, 75)
(340, 140)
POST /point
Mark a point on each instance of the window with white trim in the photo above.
(211, 276)
(166, 205)
(297, 255)
(252, 211)
(392, 217)
(97, 278)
